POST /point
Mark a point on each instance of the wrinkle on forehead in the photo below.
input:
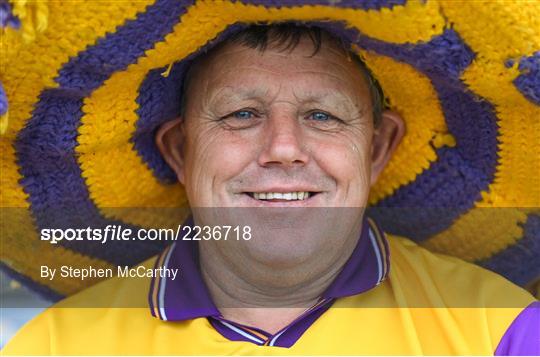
(217, 75)
(337, 65)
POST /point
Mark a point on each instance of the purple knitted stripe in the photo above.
(3, 100)
(353, 4)
(528, 82)
(159, 101)
(519, 263)
(42, 290)
(50, 171)
(7, 19)
(114, 52)
(46, 146)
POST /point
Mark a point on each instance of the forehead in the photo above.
(233, 62)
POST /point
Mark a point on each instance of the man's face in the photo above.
(290, 126)
(283, 133)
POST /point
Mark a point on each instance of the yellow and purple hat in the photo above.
(86, 84)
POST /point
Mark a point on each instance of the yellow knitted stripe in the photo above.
(118, 180)
(416, 20)
(424, 119)
(496, 29)
(474, 236)
(516, 183)
(33, 15)
(27, 69)
(485, 27)
(113, 170)
(115, 175)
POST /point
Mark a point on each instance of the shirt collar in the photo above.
(187, 297)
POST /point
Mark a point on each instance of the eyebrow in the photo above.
(231, 93)
(239, 93)
(323, 96)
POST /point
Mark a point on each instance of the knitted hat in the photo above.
(86, 85)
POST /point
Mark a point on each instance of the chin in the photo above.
(282, 253)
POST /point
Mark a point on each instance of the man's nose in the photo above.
(283, 141)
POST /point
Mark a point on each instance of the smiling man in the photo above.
(283, 130)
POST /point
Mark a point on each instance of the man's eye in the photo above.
(320, 116)
(242, 114)
(241, 119)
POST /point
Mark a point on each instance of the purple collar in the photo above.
(188, 298)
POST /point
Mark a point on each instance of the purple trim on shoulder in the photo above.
(523, 336)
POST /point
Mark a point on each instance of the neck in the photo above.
(267, 297)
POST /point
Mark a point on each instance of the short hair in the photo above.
(286, 37)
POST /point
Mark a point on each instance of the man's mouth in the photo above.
(281, 196)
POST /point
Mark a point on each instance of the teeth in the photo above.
(289, 196)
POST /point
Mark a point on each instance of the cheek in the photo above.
(212, 158)
(347, 160)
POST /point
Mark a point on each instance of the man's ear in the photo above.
(170, 141)
(386, 138)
